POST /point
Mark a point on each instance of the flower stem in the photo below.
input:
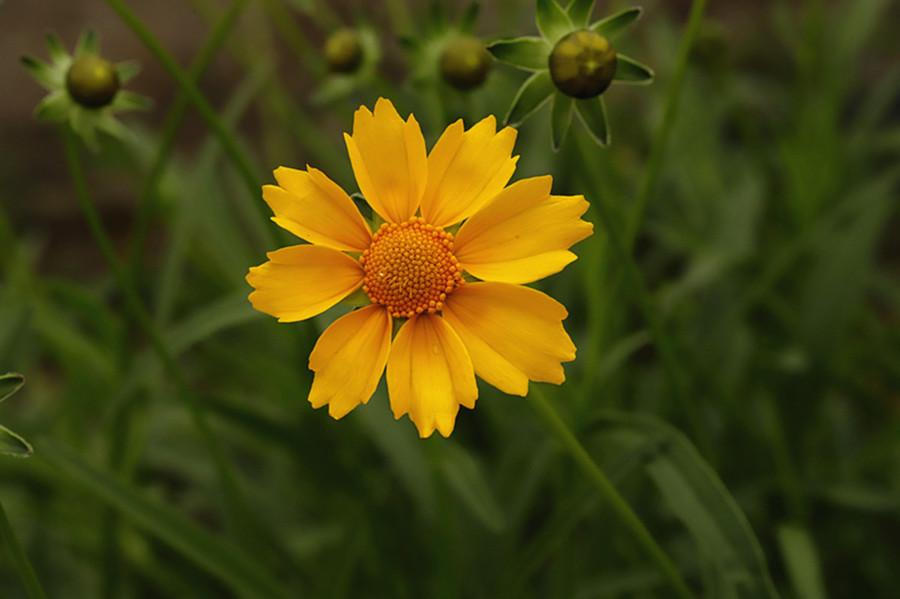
(238, 157)
(26, 572)
(670, 109)
(627, 515)
(237, 504)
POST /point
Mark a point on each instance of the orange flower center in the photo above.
(410, 268)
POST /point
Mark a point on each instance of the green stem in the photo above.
(237, 504)
(238, 157)
(670, 109)
(170, 129)
(596, 476)
(26, 572)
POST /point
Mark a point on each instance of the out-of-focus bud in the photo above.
(582, 64)
(343, 51)
(465, 63)
(92, 81)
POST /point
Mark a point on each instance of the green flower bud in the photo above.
(582, 64)
(465, 63)
(92, 81)
(343, 51)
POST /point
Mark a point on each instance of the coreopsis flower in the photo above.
(11, 443)
(447, 265)
(573, 63)
(85, 89)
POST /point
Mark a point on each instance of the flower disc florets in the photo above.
(583, 64)
(92, 81)
(410, 268)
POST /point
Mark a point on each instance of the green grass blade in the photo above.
(697, 496)
(20, 559)
(217, 556)
(802, 562)
(465, 477)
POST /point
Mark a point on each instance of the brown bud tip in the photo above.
(582, 64)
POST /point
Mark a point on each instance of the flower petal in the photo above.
(512, 334)
(315, 208)
(301, 281)
(523, 235)
(429, 374)
(389, 161)
(466, 169)
(356, 343)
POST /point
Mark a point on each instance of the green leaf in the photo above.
(536, 90)
(560, 118)
(13, 445)
(54, 108)
(529, 53)
(592, 113)
(127, 70)
(48, 77)
(10, 383)
(87, 44)
(613, 25)
(203, 323)
(697, 497)
(579, 12)
(629, 70)
(219, 557)
(465, 477)
(802, 561)
(552, 21)
(56, 49)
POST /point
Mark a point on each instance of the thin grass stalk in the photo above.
(170, 129)
(676, 378)
(670, 110)
(238, 157)
(599, 480)
(237, 505)
(23, 566)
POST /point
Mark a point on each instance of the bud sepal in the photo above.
(84, 89)
(573, 63)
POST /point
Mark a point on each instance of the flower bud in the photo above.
(465, 63)
(343, 51)
(582, 64)
(92, 81)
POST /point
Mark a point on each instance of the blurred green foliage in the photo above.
(769, 267)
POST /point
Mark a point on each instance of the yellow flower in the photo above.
(412, 268)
